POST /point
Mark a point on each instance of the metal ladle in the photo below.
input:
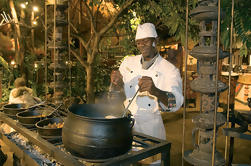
(37, 105)
(126, 109)
(55, 111)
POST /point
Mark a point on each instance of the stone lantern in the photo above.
(206, 13)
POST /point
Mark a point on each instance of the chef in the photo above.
(157, 81)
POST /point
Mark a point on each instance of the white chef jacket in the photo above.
(145, 108)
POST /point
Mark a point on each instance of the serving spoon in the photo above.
(126, 109)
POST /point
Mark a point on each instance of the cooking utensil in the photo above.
(12, 109)
(126, 109)
(37, 105)
(32, 117)
(87, 132)
(55, 111)
(45, 131)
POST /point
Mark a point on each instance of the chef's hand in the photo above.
(147, 84)
(116, 78)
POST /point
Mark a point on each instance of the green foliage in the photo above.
(78, 81)
(242, 24)
(105, 62)
(129, 45)
(7, 84)
(6, 93)
(4, 64)
(135, 21)
(167, 15)
(102, 72)
(243, 50)
(38, 89)
(242, 21)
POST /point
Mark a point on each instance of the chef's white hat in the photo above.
(146, 30)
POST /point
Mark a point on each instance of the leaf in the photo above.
(243, 50)
(4, 63)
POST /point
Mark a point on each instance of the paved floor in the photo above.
(174, 122)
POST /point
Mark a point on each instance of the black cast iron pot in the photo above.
(87, 133)
(43, 129)
(13, 109)
(31, 117)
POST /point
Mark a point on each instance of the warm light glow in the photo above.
(249, 60)
(34, 22)
(23, 5)
(26, 3)
(36, 65)
(35, 8)
(12, 62)
(66, 62)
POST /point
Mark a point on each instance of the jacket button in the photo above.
(156, 75)
(131, 71)
(149, 105)
(130, 86)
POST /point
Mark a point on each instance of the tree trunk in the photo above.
(92, 45)
(90, 85)
(19, 54)
(17, 30)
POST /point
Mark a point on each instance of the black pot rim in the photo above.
(23, 106)
(126, 118)
(43, 128)
(27, 117)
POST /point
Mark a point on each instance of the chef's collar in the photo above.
(147, 64)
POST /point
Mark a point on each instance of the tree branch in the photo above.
(74, 28)
(73, 7)
(89, 42)
(94, 50)
(91, 18)
(82, 62)
(114, 19)
(84, 43)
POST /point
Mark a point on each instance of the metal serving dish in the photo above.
(33, 116)
(46, 131)
(12, 109)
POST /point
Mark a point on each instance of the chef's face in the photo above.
(146, 48)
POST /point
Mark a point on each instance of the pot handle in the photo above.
(132, 122)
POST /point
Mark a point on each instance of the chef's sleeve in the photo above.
(172, 84)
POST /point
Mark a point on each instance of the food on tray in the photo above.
(37, 116)
(110, 117)
(54, 125)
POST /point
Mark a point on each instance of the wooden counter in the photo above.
(243, 92)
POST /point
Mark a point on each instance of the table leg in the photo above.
(165, 158)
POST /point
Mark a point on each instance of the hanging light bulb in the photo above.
(12, 62)
(35, 8)
(35, 65)
(23, 6)
(34, 22)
